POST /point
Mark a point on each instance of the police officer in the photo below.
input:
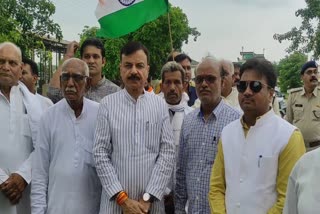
(303, 106)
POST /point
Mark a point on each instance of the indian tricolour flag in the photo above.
(120, 17)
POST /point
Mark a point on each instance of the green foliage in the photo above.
(306, 38)
(289, 70)
(154, 35)
(26, 22)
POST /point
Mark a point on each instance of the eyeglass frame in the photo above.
(248, 83)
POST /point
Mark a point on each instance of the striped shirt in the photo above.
(134, 149)
(95, 93)
(198, 148)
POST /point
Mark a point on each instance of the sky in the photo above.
(226, 26)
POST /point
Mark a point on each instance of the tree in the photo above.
(306, 39)
(154, 35)
(289, 71)
(26, 22)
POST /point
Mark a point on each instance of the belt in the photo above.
(314, 144)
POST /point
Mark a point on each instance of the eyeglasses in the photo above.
(76, 77)
(208, 78)
(255, 86)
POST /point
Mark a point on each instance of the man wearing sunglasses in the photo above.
(63, 173)
(303, 106)
(256, 152)
(92, 51)
(199, 137)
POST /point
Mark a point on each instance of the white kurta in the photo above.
(64, 179)
(16, 143)
(45, 102)
(303, 193)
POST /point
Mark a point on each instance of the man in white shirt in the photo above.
(29, 77)
(173, 76)
(19, 113)
(64, 176)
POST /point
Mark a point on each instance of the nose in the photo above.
(70, 82)
(247, 91)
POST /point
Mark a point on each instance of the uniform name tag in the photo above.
(298, 105)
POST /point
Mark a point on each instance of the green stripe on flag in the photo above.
(131, 18)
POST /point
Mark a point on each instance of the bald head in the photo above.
(76, 62)
(12, 46)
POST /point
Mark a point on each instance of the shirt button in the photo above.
(200, 161)
(197, 198)
(238, 205)
(203, 144)
(241, 180)
(198, 179)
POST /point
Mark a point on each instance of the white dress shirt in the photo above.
(64, 178)
(45, 102)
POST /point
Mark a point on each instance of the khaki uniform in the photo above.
(304, 113)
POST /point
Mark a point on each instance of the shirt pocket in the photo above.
(268, 169)
(25, 126)
(153, 131)
(315, 113)
(297, 113)
(87, 152)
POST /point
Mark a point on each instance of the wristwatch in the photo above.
(147, 197)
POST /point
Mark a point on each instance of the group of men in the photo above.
(102, 149)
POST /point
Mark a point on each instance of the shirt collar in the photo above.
(100, 83)
(258, 119)
(130, 98)
(314, 92)
(216, 111)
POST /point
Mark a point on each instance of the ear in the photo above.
(103, 61)
(88, 83)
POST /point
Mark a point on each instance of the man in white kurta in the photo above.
(64, 176)
(19, 113)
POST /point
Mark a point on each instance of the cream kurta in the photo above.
(64, 179)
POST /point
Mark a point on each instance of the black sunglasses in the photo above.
(76, 77)
(255, 86)
(208, 78)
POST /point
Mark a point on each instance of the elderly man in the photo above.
(64, 176)
(199, 136)
(172, 88)
(134, 149)
(303, 106)
(229, 93)
(30, 78)
(92, 52)
(19, 113)
(257, 152)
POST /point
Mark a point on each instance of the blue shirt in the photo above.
(198, 148)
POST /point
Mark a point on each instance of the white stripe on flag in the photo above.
(106, 7)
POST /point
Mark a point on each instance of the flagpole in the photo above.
(170, 33)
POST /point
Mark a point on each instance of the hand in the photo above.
(133, 207)
(13, 188)
(146, 205)
(71, 49)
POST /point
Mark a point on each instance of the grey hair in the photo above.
(172, 66)
(84, 64)
(228, 64)
(3, 44)
(213, 61)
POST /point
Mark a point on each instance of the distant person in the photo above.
(172, 88)
(199, 137)
(19, 112)
(236, 73)
(92, 51)
(229, 93)
(148, 86)
(134, 148)
(257, 152)
(303, 106)
(185, 61)
(30, 76)
(64, 179)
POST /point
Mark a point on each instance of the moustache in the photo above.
(71, 89)
(313, 79)
(133, 77)
(174, 94)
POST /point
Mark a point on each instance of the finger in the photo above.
(142, 208)
(15, 199)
